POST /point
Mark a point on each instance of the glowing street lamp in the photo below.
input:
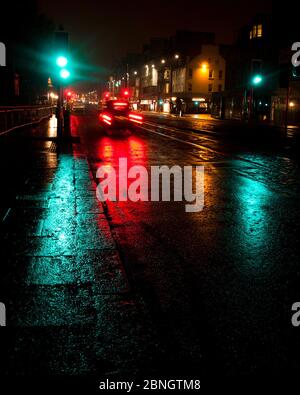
(204, 67)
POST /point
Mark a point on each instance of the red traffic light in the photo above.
(126, 93)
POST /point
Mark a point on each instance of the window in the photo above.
(154, 77)
(190, 87)
(211, 74)
(220, 74)
(256, 31)
(259, 31)
(210, 87)
(220, 87)
(167, 87)
(190, 73)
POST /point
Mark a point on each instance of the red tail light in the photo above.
(106, 118)
(120, 103)
(137, 118)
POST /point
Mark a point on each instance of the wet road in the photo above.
(218, 285)
(145, 288)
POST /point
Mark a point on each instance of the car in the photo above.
(117, 115)
(78, 106)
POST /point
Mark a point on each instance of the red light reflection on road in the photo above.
(136, 152)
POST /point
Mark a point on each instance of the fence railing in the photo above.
(12, 118)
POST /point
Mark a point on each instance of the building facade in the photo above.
(198, 78)
(260, 81)
(188, 66)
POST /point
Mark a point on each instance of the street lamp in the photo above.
(176, 56)
(204, 67)
(163, 61)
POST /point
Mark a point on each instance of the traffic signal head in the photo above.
(64, 73)
(126, 93)
(61, 61)
(257, 79)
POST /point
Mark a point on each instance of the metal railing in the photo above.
(12, 118)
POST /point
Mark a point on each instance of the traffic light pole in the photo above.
(60, 111)
(286, 120)
(251, 103)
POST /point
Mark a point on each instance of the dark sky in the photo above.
(106, 30)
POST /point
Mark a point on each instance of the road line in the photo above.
(6, 215)
(204, 147)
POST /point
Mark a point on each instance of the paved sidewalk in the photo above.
(203, 117)
(229, 123)
(69, 306)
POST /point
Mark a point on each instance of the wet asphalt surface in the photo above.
(198, 295)
(218, 284)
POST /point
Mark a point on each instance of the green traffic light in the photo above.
(257, 79)
(64, 73)
(61, 61)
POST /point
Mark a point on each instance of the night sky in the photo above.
(107, 30)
